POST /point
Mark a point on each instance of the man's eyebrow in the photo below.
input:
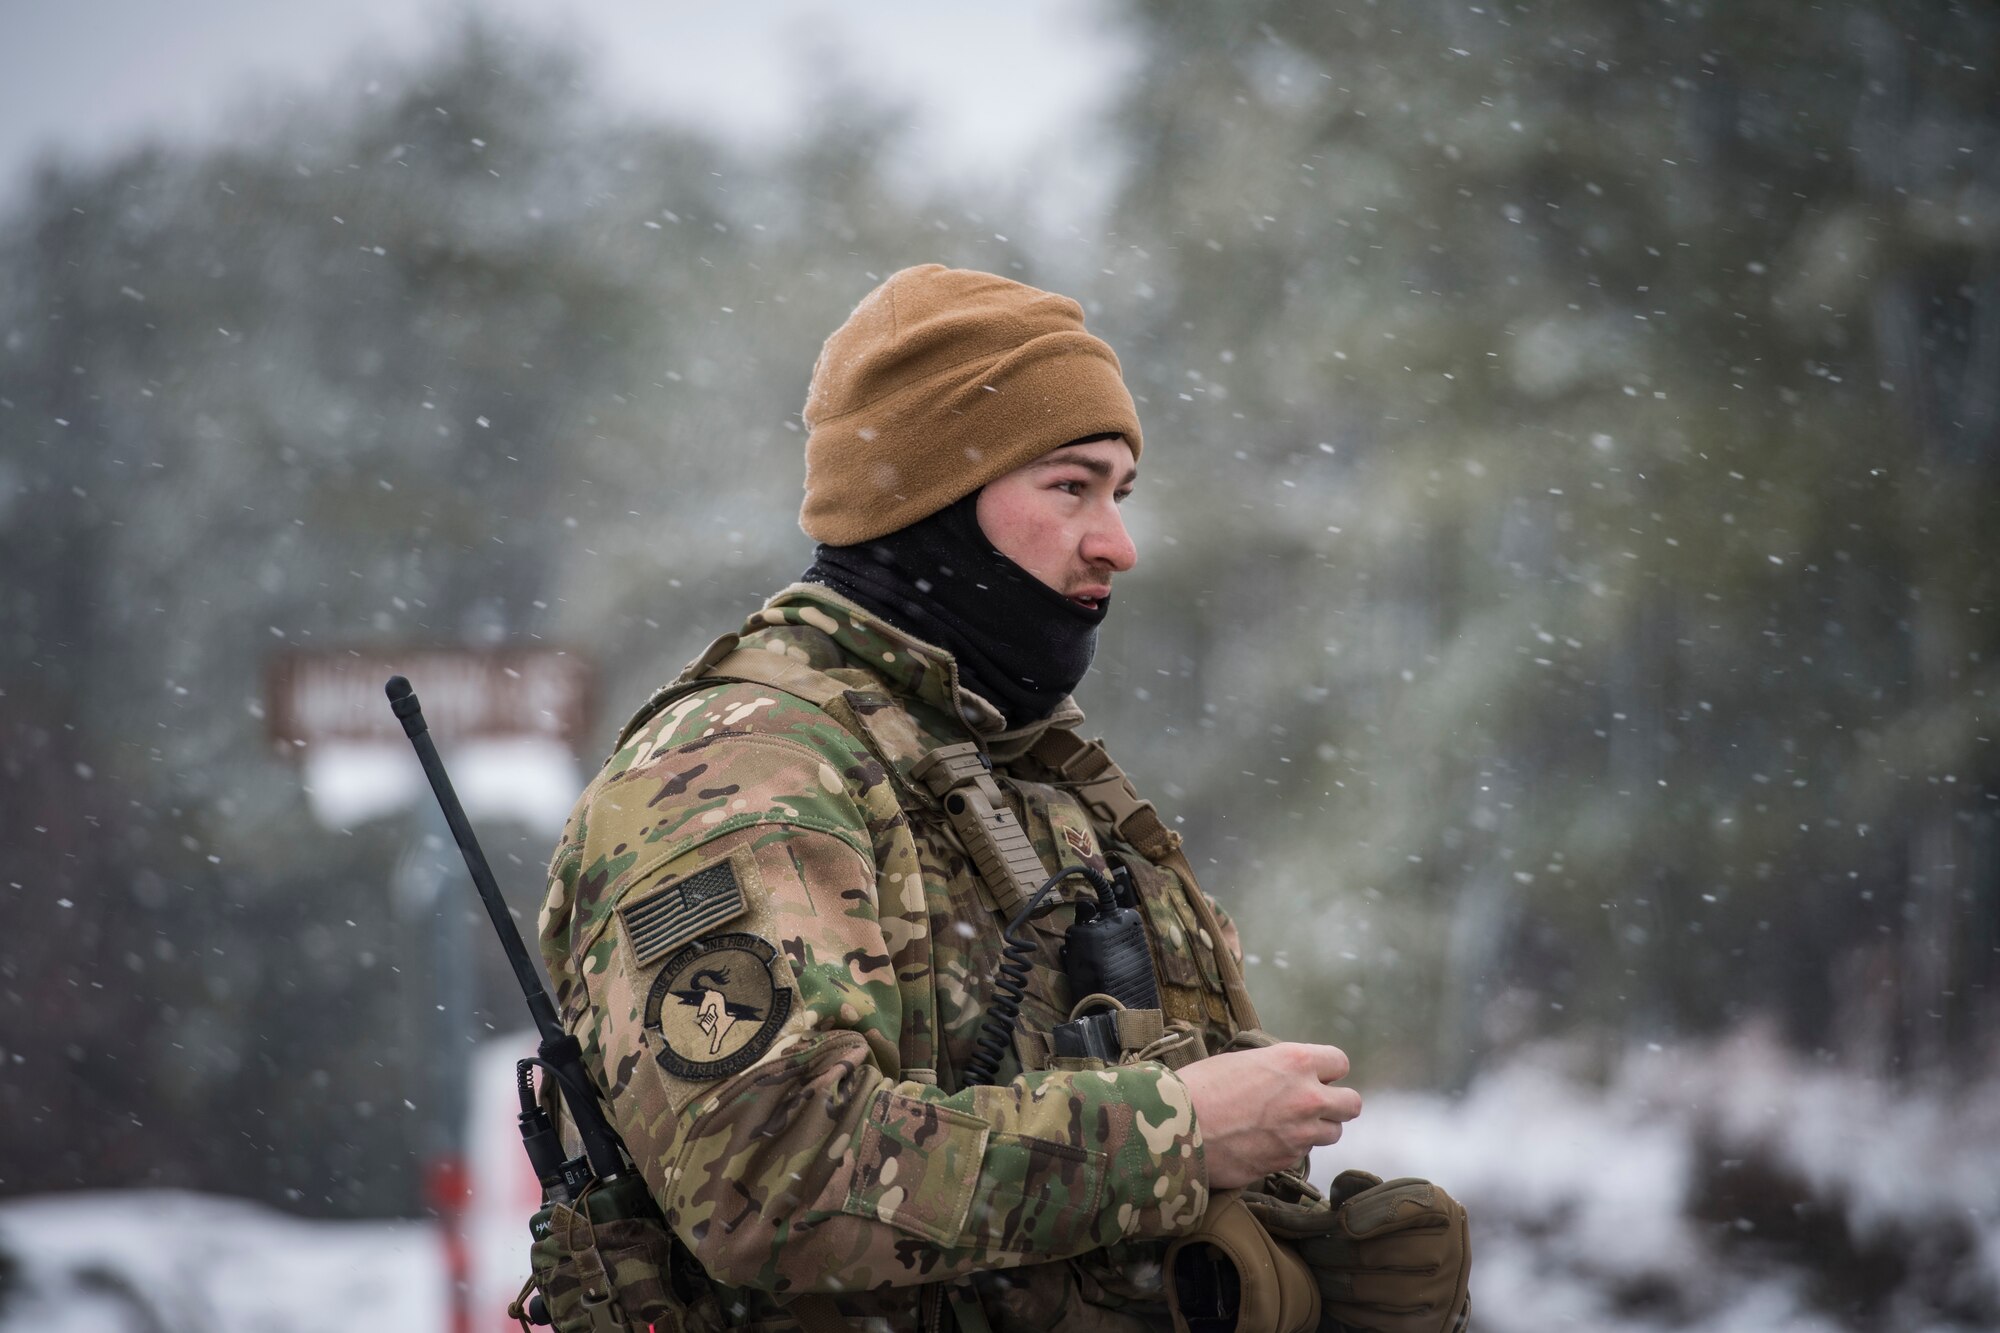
(1093, 465)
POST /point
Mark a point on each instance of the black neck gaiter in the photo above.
(1020, 645)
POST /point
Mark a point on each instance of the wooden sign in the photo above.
(468, 694)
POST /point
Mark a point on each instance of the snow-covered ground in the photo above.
(1731, 1188)
(160, 1261)
(1728, 1188)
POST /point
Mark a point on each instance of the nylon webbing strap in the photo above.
(1087, 769)
(958, 776)
(817, 1313)
(967, 1312)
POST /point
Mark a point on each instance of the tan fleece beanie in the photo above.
(940, 381)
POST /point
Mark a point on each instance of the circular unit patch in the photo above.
(717, 1007)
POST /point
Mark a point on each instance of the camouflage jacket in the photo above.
(777, 955)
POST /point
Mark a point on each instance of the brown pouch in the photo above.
(604, 1265)
(1230, 1276)
(1388, 1256)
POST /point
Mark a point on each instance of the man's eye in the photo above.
(1070, 487)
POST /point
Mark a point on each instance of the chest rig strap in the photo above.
(1087, 769)
(960, 778)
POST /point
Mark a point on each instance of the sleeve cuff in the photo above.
(1158, 1181)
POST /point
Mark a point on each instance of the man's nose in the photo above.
(1108, 543)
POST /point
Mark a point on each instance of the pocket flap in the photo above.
(917, 1166)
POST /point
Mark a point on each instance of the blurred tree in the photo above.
(462, 362)
(285, 393)
(1567, 596)
(1605, 387)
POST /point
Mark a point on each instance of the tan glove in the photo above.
(1388, 1256)
(1230, 1276)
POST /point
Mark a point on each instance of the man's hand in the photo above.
(1261, 1110)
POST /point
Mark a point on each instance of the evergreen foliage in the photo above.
(1567, 600)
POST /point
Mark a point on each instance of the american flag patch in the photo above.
(663, 921)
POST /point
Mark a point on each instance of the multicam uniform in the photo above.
(777, 955)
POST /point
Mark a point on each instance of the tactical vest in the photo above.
(952, 786)
(955, 783)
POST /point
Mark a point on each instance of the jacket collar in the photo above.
(846, 635)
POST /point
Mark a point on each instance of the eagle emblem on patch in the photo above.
(716, 1006)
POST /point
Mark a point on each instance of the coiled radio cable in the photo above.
(996, 1031)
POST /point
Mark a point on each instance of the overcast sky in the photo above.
(999, 89)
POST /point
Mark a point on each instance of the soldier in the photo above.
(777, 930)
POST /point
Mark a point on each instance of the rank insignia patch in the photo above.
(717, 1006)
(663, 921)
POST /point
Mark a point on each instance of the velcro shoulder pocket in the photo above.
(917, 1166)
